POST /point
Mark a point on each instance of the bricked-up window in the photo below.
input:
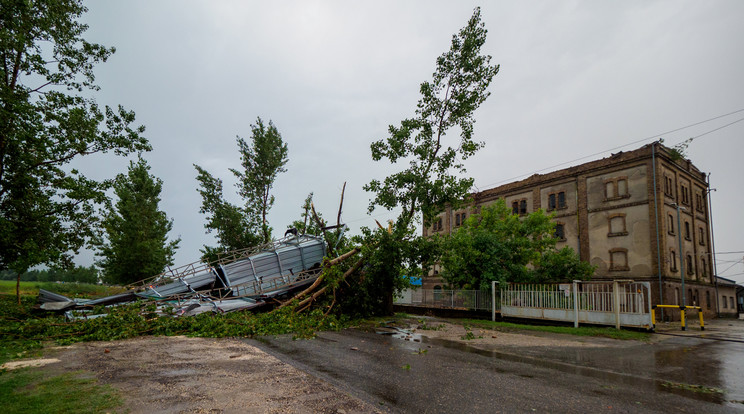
(671, 224)
(619, 259)
(689, 265)
(687, 231)
(560, 231)
(672, 260)
(701, 236)
(707, 298)
(699, 204)
(557, 201)
(703, 267)
(523, 207)
(515, 207)
(616, 188)
(616, 223)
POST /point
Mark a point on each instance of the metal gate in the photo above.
(618, 303)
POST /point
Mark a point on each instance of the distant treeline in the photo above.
(78, 274)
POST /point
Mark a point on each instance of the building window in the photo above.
(689, 264)
(685, 192)
(459, 219)
(557, 201)
(701, 236)
(668, 186)
(522, 207)
(616, 188)
(515, 207)
(703, 267)
(616, 224)
(724, 302)
(671, 224)
(699, 205)
(437, 225)
(707, 298)
(676, 296)
(687, 230)
(672, 261)
(560, 232)
(619, 259)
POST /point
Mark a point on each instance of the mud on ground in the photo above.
(202, 375)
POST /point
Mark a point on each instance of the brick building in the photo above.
(620, 214)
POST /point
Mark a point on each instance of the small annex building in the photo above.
(620, 213)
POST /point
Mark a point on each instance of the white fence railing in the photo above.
(463, 299)
(619, 303)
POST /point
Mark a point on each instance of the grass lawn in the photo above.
(30, 391)
(73, 290)
(570, 330)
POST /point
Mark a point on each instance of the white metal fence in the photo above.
(619, 303)
(463, 299)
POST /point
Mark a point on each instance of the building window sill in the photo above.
(619, 269)
(621, 233)
(617, 198)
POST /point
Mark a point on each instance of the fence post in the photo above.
(616, 302)
(493, 301)
(576, 303)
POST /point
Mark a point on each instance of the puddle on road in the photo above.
(708, 394)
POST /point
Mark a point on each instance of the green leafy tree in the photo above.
(240, 227)
(496, 245)
(136, 243)
(47, 210)
(450, 100)
(231, 223)
(263, 159)
(458, 87)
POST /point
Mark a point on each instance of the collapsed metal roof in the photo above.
(240, 280)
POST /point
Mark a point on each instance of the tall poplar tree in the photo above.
(262, 159)
(47, 210)
(135, 245)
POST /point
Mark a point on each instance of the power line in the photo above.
(628, 144)
(740, 252)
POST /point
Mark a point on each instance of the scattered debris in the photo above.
(240, 280)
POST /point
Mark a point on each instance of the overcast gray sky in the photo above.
(577, 78)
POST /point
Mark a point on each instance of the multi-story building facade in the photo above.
(620, 214)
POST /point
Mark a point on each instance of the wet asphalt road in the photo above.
(438, 376)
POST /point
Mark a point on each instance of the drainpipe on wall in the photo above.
(656, 215)
(713, 245)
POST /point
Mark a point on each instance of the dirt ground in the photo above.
(202, 375)
(207, 375)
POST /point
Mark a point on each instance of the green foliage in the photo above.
(239, 227)
(72, 290)
(230, 222)
(135, 244)
(498, 245)
(22, 329)
(390, 258)
(262, 160)
(449, 100)
(46, 121)
(612, 333)
(78, 274)
(31, 391)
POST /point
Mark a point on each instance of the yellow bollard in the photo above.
(682, 317)
(653, 317)
(700, 313)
